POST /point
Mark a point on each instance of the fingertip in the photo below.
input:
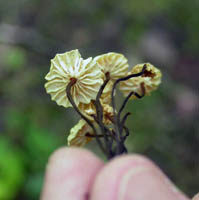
(69, 174)
(196, 197)
(107, 180)
(73, 154)
(133, 177)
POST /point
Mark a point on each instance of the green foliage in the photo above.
(15, 59)
(39, 142)
(12, 169)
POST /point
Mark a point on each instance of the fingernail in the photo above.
(147, 183)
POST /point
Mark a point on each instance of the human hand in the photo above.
(77, 174)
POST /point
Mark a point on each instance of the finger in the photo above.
(131, 178)
(196, 197)
(70, 174)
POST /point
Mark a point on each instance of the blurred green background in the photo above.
(164, 126)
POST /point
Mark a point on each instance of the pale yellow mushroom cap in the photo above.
(77, 136)
(89, 109)
(150, 80)
(114, 63)
(70, 65)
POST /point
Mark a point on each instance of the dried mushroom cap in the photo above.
(150, 80)
(77, 136)
(114, 63)
(70, 66)
(89, 110)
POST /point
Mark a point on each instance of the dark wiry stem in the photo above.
(124, 79)
(117, 122)
(99, 111)
(97, 103)
(124, 120)
(129, 96)
(68, 92)
(106, 129)
(126, 100)
(123, 105)
(127, 132)
(93, 136)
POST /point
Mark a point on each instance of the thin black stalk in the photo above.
(106, 128)
(128, 97)
(125, 102)
(98, 106)
(127, 133)
(121, 148)
(99, 111)
(124, 120)
(106, 133)
(123, 106)
(93, 136)
(68, 92)
(117, 124)
(124, 79)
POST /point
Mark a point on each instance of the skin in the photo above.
(77, 174)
